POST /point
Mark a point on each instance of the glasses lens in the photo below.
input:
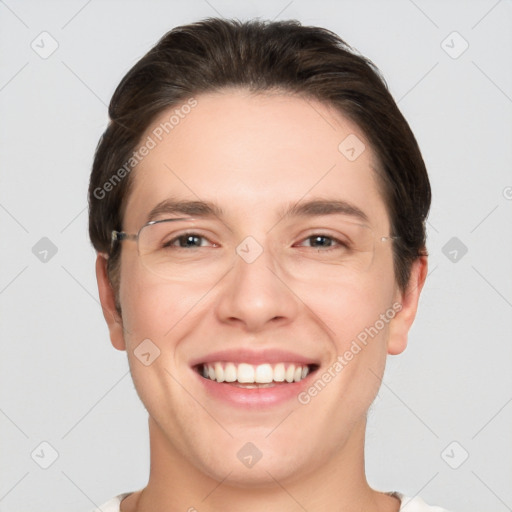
(182, 250)
(346, 248)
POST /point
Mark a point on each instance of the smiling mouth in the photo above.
(251, 376)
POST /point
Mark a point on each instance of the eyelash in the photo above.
(338, 243)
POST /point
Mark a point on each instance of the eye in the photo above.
(320, 241)
(188, 240)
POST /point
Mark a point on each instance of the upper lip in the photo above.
(244, 355)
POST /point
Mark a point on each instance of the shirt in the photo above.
(415, 504)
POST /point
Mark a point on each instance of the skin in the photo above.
(253, 155)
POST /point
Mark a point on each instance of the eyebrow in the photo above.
(312, 208)
(318, 207)
(189, 208)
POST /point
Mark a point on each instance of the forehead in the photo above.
(252, 154)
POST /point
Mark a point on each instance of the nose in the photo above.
(254, 295)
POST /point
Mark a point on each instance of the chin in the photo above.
(259, 463)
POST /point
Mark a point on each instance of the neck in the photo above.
(338, 483)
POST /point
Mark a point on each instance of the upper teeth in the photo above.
(248, 373)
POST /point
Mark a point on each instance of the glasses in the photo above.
(186, 249)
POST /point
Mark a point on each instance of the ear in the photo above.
(402, 322)
(108, 303)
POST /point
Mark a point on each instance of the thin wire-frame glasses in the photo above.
(168, 248)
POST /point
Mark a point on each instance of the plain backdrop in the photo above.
(442, 421)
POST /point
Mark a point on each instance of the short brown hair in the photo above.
(260, 56)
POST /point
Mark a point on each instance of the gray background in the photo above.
(62, 383)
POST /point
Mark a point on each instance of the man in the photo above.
(258, 206)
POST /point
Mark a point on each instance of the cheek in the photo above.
(165, 312)
(156, 309)
(157, 315)
(356, 314)
(347, 307)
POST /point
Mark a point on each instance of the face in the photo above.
(278, 274)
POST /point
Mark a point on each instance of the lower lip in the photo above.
(255, 397)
